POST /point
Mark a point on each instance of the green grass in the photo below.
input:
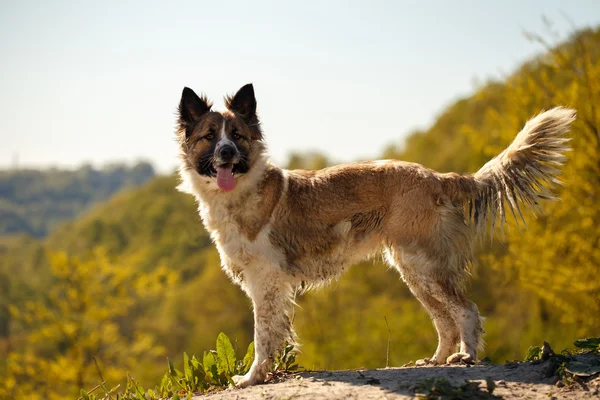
(212, 373)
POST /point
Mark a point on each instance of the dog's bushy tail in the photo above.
(525, 172)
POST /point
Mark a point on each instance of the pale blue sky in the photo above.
(84, 81)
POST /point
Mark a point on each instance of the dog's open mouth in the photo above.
(225, 179)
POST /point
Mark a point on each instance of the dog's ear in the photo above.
(243, 103)
(191, 109)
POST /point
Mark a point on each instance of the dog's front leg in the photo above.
(271, 295)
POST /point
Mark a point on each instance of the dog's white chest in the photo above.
(235, 248)
(243, 252)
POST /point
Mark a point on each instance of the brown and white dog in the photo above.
(279, 231)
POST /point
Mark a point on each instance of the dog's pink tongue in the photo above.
(225, 179)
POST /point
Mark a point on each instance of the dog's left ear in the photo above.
(243, 103)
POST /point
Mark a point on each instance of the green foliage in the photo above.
(585, 366)
(213, 373)
(582, 363)
(285, 362)
(249, 357)
(76, 321)
(533, 353)
(225, 354)
(582, 369)
(34, 202)
(592, 343)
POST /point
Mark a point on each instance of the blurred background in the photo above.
(101, 257)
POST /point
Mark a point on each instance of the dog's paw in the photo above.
(460, 358)
(426, 362)
(242, 381)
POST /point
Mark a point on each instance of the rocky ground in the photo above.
(526, 380)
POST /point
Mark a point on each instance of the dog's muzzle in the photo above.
(226, 154)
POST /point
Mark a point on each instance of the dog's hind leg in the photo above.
(441, 267)
(447, 330)
(438, 284)
(272, 300)
(465, 314)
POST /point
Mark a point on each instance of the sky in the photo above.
(99, 81)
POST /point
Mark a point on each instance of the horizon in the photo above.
(98, 84)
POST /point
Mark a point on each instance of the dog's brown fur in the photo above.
(280, 231)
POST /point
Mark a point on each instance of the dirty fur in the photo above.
(281, 231)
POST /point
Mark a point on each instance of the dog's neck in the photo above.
(244, 210)
(208, 194)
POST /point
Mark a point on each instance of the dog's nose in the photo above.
(227, 152)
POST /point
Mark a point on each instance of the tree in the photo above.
(78, 321)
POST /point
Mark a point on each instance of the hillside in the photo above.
(141, 270)
(34, 201)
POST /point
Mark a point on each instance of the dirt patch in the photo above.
(529, 380)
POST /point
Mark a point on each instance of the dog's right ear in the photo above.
(191, 109)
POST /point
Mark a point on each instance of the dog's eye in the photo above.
(235, 135)
(210, 136)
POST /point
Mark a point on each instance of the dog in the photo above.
(280, 231)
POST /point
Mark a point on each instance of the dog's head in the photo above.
(220, 145)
